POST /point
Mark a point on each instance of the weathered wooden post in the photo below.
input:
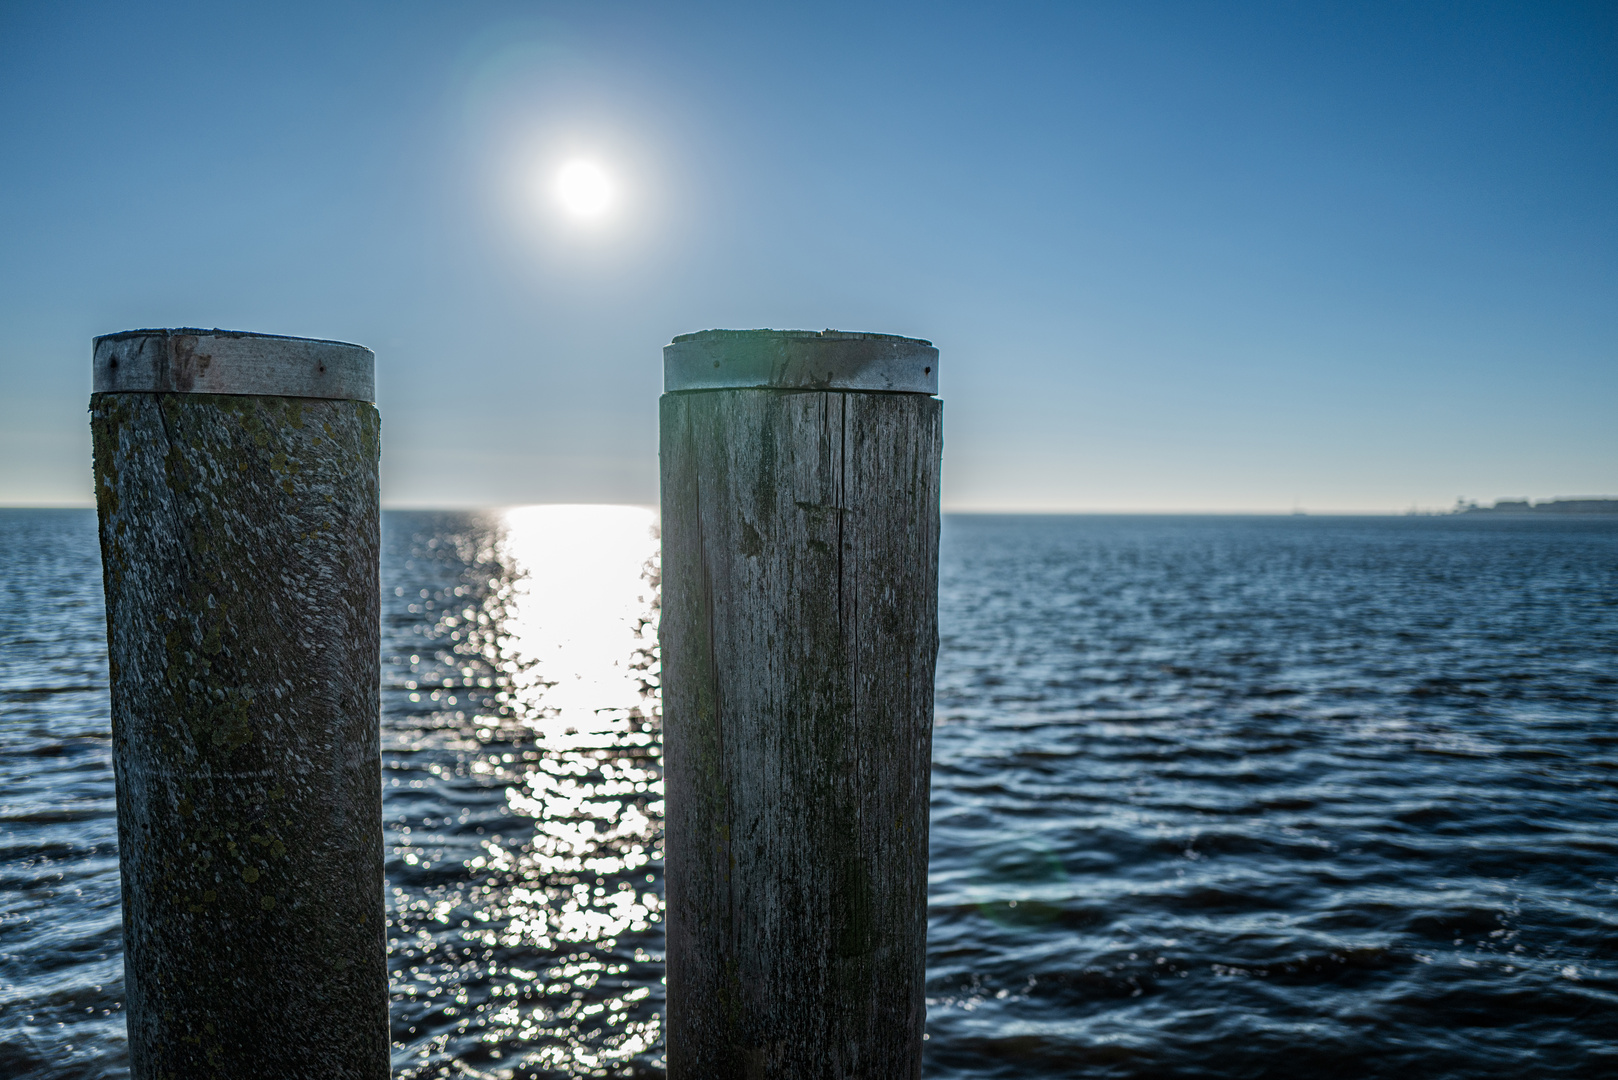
(236, 478)
(799, 631)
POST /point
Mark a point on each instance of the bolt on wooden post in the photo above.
(800, 476)
(236, 482)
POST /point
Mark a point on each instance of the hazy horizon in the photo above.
(957, 511)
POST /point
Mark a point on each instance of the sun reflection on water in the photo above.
(524, 796)
(580, 625)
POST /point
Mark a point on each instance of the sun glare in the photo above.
(580, 611)
(584, 189)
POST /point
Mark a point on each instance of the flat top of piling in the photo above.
(800, 360)
(192, 360)
(800, 335)
(196, 331)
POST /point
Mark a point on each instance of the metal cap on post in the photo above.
(798, 634)
(231, 362)
(236, 484)
(799, 360)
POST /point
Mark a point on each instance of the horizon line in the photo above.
(961, 511)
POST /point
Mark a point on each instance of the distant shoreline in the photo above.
(1519, 507)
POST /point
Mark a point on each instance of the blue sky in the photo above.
(1176, 256)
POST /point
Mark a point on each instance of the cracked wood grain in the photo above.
(798, 634)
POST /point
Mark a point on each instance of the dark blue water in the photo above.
(1276, 797)
(1287, 797)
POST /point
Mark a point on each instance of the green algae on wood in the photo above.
(240, 538)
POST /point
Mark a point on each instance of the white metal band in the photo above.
(799, 360)
(189, 361)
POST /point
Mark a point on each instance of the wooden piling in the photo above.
(800, 477)
(236, 480)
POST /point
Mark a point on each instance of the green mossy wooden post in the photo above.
(799, 631)
(236, 479)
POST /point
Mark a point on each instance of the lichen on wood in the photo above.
(239, 540)
(798, 633)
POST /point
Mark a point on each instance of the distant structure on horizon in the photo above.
(1548, 506)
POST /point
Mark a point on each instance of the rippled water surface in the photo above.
(1211, 798)
(1276, 797)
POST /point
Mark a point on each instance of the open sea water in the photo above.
(1212, 797)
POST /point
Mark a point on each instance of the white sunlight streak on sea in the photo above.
(581, 613)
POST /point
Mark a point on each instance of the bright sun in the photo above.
(584, 189)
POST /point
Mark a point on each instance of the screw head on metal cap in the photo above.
(193, 361)
(799, 360)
